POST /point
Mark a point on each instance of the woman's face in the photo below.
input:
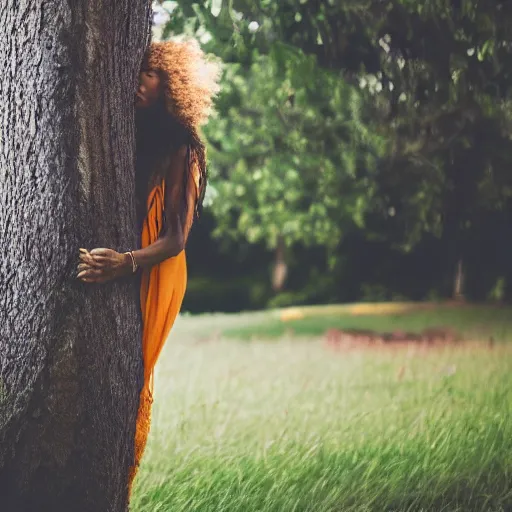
(150, 88)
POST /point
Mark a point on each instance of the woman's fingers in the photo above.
(95, 266)
(97, 257)
(89, 260)
(101, 251)
(101, 260)
(94, 280)
(97, 280)
(91, 273)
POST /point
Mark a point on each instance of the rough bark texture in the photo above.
(70, 356)
(458, 283)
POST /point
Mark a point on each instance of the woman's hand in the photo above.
(101, 265)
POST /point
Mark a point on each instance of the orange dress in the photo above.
(161, 295)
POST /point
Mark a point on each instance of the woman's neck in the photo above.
(158, 136)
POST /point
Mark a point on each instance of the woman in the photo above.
(176, 89)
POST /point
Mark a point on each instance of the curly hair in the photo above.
(191, 79)
(190, 84)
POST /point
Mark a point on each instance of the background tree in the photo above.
(438, 76)
(290, 139)
(433, 118)
(70, 359)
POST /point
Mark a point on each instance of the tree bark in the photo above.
(458, 282)
(70, 355)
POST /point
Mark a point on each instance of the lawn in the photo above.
(255, 414)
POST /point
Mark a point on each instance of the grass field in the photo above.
(253, 414)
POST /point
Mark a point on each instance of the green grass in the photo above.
(290, 426)
(473, 322)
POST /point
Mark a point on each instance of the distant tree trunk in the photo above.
(458, 285)
(280, 270)
(70, 356)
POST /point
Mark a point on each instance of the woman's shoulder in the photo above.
(178, 162)
(189, 162)
(177, 158)
(174, 161)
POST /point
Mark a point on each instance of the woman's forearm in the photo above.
(164, 248)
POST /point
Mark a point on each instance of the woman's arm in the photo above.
(174, 237)
(100, 265)
(171, 240)
(164, 248)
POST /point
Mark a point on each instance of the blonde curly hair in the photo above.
(191, 79)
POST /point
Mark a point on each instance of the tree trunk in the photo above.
(280, 269)
(70, 355)
(458, 284)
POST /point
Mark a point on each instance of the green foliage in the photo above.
(229, 295)
(438, 76)
(392, 119)
(292, 156)
(292, 153)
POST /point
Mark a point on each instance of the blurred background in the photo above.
(360, 151)
(360, 163)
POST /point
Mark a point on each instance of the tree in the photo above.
(437, 76)
(292, 155)
(70, 357)
(430, 83)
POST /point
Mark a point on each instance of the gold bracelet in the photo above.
(134, 263)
